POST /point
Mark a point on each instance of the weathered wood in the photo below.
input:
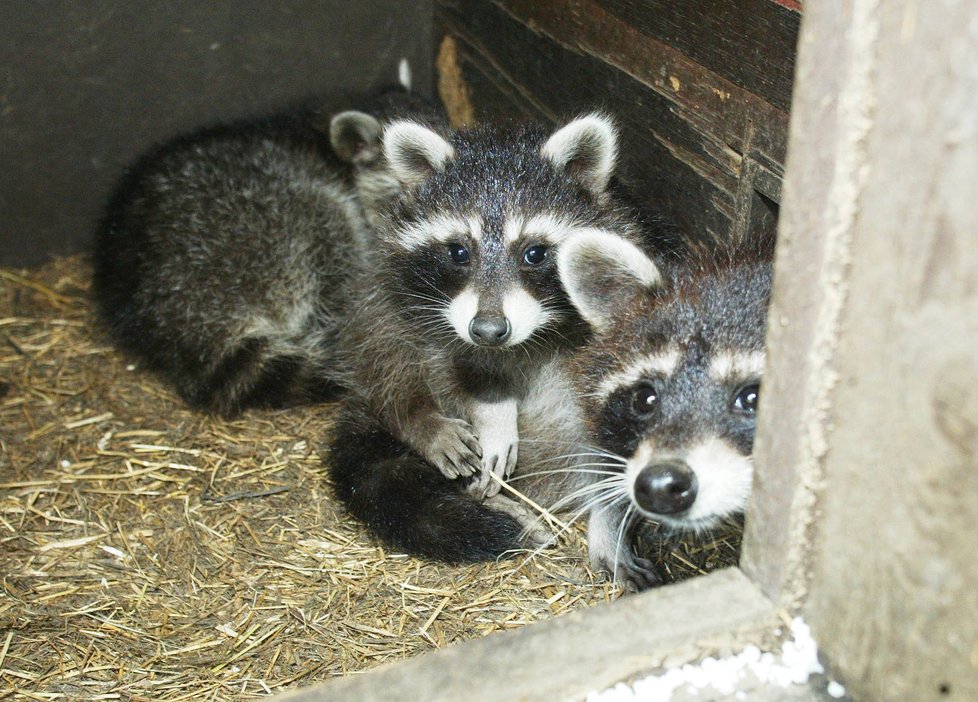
(582, 652)
(87, 86)
(713, 104)
(871, 405)
(749, 42)
(460, 77)
(686, 129)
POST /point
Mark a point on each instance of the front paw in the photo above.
(499, 460)
(633, 573)
(535, 534)
(454, 449)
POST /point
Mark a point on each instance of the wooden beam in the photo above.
(866, 510)
(579, 653)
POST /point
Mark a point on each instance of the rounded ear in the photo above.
(601, 272)
(585, 149)
(415, 152)
(355, 137)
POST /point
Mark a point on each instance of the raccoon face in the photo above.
(671, 382)
(683, 420)
(475, 242)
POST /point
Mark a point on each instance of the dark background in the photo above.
(85, 87)
(700, 88)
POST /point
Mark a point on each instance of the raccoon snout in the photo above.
(667, 487)
(490, 331)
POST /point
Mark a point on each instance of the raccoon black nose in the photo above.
(668, 487)
(489, 331)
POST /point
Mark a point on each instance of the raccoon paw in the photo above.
(454, 449)
(634, 573)
(535, 534)
(498, 460)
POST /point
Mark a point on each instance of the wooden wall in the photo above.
(701, 88)
(84, 87)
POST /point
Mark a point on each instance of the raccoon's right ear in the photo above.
(601, 272)
(355, 137)
(415, 152)
(586, 149)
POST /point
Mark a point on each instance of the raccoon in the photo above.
(652, 418)
(225, 257)
(462, 324)
(668, 388)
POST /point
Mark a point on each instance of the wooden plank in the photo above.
(569, 657)
(714, 104)
(684, 170)
(85, 87)
(749, 42)
(687, 130)
(873, 372)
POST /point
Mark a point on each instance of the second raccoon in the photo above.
(224, 258)
(462, 314)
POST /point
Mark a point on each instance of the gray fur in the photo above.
(226, 257)
(406, 362)
(663, 388)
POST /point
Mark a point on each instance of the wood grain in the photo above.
(866, 508)
(686, 130)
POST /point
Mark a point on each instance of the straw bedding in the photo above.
(148, 552)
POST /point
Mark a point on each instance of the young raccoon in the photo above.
(669, 387)
(462, 321)
(225, 258)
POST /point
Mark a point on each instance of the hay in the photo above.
(151, 553)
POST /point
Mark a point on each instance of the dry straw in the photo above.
(148, 552)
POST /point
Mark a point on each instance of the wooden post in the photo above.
(866, 508)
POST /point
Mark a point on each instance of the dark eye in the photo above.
(645, 400)
(459, 254)
(745, 401)
(535, 255)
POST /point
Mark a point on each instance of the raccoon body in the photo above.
(668, 386)
(463, 326)
(225, 257)
(652, 418)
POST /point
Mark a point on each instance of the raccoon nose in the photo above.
(668, 487)
(489, 331)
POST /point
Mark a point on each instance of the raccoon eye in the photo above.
(535, 255)
(645, 400)
(459, 254)
(745, 401)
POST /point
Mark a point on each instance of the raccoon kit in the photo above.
(668, 388)
(462, 325)
(225, 258)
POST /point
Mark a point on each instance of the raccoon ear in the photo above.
(601, 271)
(585, 149)
(355, 137)
(415, 152)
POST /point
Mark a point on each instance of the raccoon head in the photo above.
(356, 138)
(671, 381)
(484, 212)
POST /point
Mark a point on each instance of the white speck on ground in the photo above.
(835, 689)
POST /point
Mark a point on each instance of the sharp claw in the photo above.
(448, 468)
(510, 463)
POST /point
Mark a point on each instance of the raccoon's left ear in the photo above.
(601, 272)
(586, 149)
(355, 137)
(415, 152)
